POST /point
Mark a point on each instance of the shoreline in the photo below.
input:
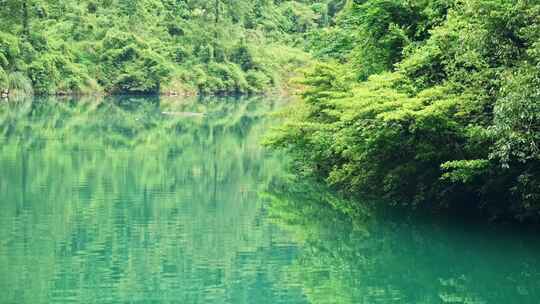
(276, 91)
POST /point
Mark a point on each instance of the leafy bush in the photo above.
(224, 78)
(131, 66)
(19, 84)
(180, 54)
(257, 81)
(9, 50)
(45, 74)
(456, 123)
(206, 53)
(241, 55)
(3, 79)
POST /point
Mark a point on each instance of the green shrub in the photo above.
(75, 80)
(220, 53)
(4, 82)
(457, 123)
(131, 66)
(9, 51)
(517, 118)
(227, 78)
(205, 53)
(19, 84)
(44, 73)
(180, 54)
(258, 81)
(242, 55)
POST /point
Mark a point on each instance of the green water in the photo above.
(139, 200)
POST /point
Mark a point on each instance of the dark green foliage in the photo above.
(450, 116)
(372, 35)
(241, 55)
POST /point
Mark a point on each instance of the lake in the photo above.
(170, 200)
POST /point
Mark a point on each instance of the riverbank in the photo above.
(446, 119)
(283, 82)
(288, 86)
(176, 53)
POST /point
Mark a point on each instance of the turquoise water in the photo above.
(147, 200)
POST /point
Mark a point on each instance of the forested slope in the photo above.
(430, 103)
(150, 46)
(433, 104)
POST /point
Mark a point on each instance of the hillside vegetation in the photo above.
(426, 103)
(431, 104)
(152, 46)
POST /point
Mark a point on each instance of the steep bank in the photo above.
(431, 104)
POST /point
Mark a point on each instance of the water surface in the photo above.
(142, 200)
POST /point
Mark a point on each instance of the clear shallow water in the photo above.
(114, 201)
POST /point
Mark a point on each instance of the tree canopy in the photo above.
(151, 46)
(426, 103)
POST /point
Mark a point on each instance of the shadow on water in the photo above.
(112, 201)
(389, 256)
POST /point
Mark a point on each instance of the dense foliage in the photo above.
(148, 46)
(426, 103)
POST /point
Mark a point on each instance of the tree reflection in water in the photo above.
(376, 257)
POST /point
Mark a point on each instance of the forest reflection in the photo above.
(113, 201)
(355, 254)
(146, 200)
